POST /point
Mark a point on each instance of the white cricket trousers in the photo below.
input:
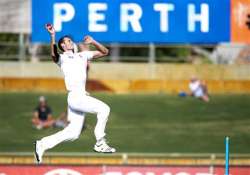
(78, 105)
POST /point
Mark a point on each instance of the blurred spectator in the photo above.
(62, 120)
(198, 89)
(42, 115)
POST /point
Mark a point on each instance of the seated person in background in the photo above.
(198, 89)
(42, 115)
(62, 120)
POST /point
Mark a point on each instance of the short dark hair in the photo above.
(61, 40)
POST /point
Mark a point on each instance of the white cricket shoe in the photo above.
(102, 147)
(39, 150)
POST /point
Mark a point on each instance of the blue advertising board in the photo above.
(134, 21)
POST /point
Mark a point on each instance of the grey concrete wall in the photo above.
(15, 16)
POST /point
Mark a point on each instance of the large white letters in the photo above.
(63, 12)
(113, 173)
(130, 14)
(164, 9)
(203, 18)
(95, 17)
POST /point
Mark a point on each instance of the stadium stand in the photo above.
(15, 16)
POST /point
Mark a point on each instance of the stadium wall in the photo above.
(123, 164)
(128, 77)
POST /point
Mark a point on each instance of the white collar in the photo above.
(68, 52)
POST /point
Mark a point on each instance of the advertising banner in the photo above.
(240, 21)
(134, 21)
(120, 170)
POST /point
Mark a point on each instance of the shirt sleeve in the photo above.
(56, 54)
(59, 62)
(87, 54)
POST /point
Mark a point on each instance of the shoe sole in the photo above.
(36, 155)
(103, 152)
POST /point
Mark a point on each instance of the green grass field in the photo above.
(138, 123)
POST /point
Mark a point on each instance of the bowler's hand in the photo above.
(50, 29)
(88, 40)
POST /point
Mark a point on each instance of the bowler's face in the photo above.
(68, 44)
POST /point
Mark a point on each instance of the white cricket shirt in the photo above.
(74, 68)
(196, 88)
